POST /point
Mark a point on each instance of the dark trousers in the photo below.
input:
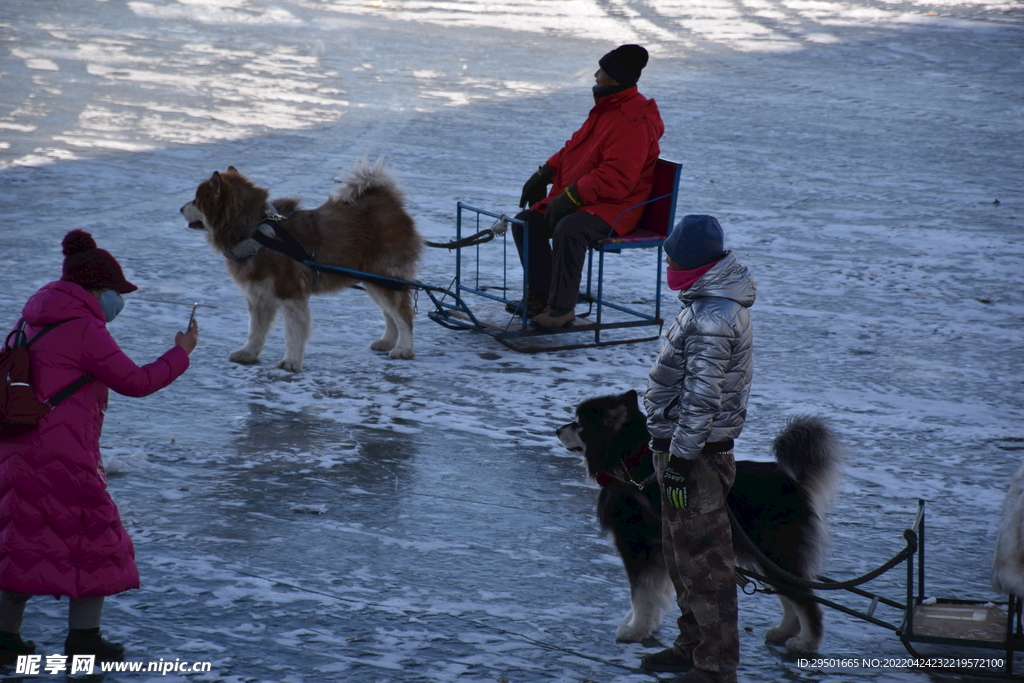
(83, 613)
(700, 560)
(557, 267)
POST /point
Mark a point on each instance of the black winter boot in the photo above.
(89, 641)
(535, 305)
(668, 660)
(699, 676)
(11, 645)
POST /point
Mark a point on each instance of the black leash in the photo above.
(482, 237)
(499, 228)
(777, 574)
(289, 246)
(780, 575)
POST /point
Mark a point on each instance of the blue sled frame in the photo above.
(452, 311)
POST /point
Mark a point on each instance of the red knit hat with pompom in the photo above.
(87, 265)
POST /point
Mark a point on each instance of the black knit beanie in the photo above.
(625, 63)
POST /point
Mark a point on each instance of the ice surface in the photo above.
(377, 520)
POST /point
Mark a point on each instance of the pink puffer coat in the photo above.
(60, 532)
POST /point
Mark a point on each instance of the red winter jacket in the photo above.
(60, 532)
(611, 159)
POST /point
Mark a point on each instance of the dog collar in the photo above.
(621, 473)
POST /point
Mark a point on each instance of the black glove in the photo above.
(677, 475)
(563, 205)
(536, 188)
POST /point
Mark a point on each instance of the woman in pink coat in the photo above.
(60, 532)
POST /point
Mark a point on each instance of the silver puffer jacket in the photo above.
(698, 388)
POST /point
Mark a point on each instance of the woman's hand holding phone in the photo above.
(190, 337)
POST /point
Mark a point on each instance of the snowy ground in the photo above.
(864, 158)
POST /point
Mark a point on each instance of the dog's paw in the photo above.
(630, 633)
(290, 365)
(382, 345)
(244, 357)
(800, 646)
(779, 635)
(399, 352)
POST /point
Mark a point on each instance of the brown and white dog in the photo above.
(364, 227)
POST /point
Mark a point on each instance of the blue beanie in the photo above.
(695, 241)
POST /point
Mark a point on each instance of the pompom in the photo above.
(77, 241)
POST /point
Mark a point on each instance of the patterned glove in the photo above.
(563, 205)
(677, 475)
(536, 188)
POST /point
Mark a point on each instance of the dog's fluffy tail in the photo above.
(366, 177)
(809, 452)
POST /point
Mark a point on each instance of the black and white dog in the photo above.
(780, 505)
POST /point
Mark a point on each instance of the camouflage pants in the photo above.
(700, 559)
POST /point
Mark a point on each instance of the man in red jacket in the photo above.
(606, 168)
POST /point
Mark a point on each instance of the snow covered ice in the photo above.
(378, 520)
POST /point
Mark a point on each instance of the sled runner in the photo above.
(922, 620)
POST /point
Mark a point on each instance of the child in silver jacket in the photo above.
(696, 403)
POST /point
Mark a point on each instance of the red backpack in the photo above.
(20, 410)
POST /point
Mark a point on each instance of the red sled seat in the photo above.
(653, 227)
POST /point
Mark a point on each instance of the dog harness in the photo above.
(269, 233)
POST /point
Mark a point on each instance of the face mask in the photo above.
(684, 279)
(111, 302)
(606, 90)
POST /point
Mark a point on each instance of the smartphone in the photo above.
(192, 317)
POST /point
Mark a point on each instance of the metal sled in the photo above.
(963, 623)
(922, 620)
(490, 292)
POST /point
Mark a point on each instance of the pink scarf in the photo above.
(684, 279)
